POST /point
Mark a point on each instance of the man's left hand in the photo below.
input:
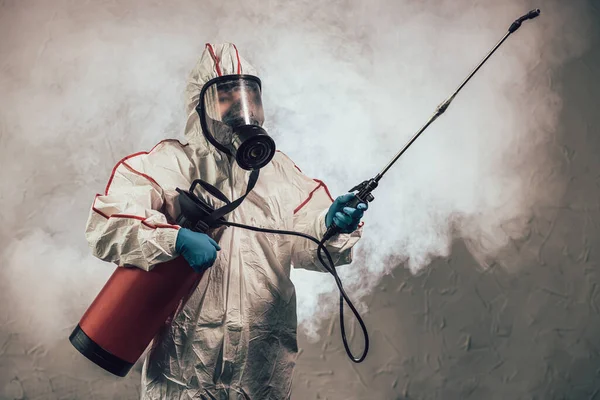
(346, 218)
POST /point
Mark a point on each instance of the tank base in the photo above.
(97, 354)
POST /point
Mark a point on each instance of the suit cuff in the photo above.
(159, 247)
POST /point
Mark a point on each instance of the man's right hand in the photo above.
(198, 249)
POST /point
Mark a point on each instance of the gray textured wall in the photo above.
(526, 328)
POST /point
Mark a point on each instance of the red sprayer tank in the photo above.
(130, 310)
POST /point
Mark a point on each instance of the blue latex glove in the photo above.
(346, 218)
(198, 249)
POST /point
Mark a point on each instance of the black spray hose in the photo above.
(330, 267)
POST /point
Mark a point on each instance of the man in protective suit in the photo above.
(235, 338)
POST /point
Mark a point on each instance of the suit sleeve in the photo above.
(126, 226)
(312, 203)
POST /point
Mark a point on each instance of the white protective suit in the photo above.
(236, 336)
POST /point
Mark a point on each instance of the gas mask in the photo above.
(231, 117)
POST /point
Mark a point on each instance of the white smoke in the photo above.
(345, 85)
(49, 283)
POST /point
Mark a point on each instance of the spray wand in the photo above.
(363, 190)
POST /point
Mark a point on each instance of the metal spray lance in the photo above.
(365, 188)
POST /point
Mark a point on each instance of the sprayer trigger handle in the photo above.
(360, 199)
